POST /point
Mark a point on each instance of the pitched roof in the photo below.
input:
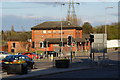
(56, 25)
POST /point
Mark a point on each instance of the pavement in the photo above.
(48, 71)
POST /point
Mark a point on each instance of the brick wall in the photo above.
(17, 46)
(40, 35)
(2, 48)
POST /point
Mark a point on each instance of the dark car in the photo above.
(55, 54)
(17, 59)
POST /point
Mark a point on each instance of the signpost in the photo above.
(99, 45)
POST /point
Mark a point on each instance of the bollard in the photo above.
(17, 68)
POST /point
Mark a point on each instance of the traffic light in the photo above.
(69, 40)
(91, 38)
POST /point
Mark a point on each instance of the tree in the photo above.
(112, 30)
(87, 28)
(99, 29)
(17, 36)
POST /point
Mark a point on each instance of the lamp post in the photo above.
(106, 18)
(61, 36)
(105, 33)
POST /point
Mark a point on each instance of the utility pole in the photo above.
(12, 29)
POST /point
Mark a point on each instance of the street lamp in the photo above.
(105, 33)
(61, 36)
(106, 18)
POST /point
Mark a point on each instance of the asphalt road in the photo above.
(45, 63)
(105, 72)
(95, 73)
(111, 71)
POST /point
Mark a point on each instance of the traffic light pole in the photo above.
(69, 43)
(71, 53)
(91, 52)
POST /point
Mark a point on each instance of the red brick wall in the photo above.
(2, 48)
(40, 35)
(19, 46)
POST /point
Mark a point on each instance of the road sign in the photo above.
(100, 43)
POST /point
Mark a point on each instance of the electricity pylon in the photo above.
(71, 15)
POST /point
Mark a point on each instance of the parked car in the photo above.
(31, 55)
(17, 59)
(3, 54)
(55, 54)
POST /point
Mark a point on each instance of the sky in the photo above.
(24, 14)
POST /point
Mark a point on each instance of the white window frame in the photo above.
(44, 31)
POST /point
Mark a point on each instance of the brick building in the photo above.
(51, 33)
(18, 46)
(2, 48)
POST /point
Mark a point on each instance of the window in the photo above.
(27, 58)
(14, 45)
(41, 44)
(54, 31)
(49, 31)
(33, 44)
(48, 45)
(44, 31)
(59, 31)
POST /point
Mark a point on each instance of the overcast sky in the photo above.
(24, 14)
